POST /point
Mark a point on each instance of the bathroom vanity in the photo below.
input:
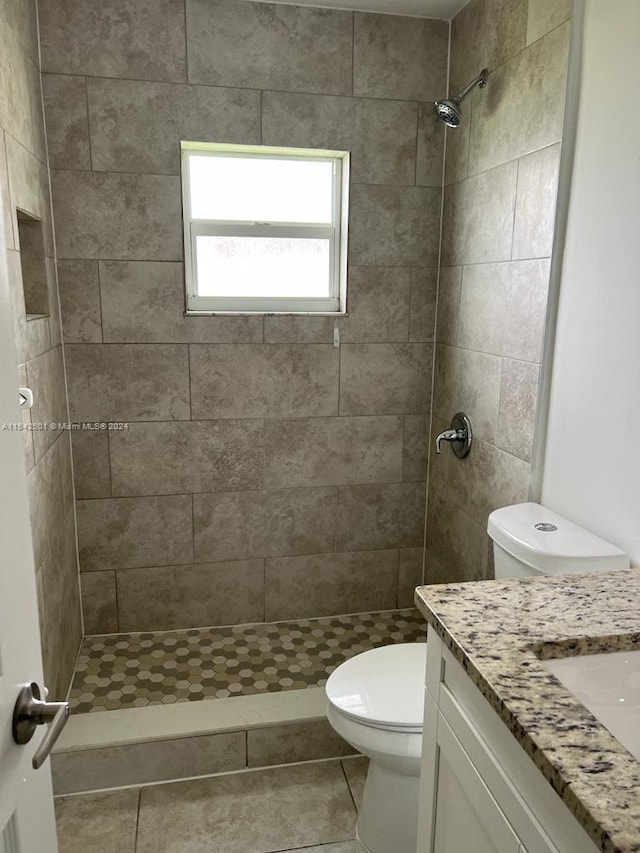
(513, 762)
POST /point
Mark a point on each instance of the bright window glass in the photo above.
(265, 229)
(271, 190)
(263, 266)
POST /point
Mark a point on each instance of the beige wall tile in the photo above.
(397, 57)
(91, 474)
(32, 338)
(546, 15)
(143, 302)
(15, 114)
(45, 376)
(128, 382)
(237, 525)
(378, 302)
(415, 448)
(485, 33)
(154, 761)
(467, 381)
(387, 156)
(167, 597)
(449, 289)
(63, 633)
(325, 584)
(394, 226)
(80, 302)
(380, 516)
(487, 479)
(195, 456)
(536, 203)
(291, 329)
(430, 157)
(5, 197)
(48, 502)
(312, 46)
(456, 167)
(522, 108)
(139, 39)
(123, 533)
(25, 416)
(65, 105)
(332, 451)
(106, 215)
(29, 190)
(229, 812)
(263, 381)
(409, 574)
(137, 127)
(292, 743)
(97, 823)
(423, 304)
(477, 222)
(503, 307)
(455, 540)
(384, 379)
(99, 604)
(435, 572)
(517, 415)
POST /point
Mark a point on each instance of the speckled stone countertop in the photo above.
(501, 630)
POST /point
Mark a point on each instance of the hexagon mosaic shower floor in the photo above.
(132, 670)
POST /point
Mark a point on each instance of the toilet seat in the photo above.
(382, 688)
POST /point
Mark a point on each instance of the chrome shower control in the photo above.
(460, 436)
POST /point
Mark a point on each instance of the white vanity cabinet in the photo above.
(479, 789)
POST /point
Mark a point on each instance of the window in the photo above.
(265, 229)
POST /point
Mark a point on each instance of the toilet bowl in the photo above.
(375, 701)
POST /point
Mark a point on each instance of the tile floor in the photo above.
(134, 670)
(304, 808)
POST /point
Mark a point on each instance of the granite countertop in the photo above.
(501, 630)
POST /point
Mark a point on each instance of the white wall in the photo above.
(592, 462)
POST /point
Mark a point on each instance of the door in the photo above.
(467, 817)
(26, 803)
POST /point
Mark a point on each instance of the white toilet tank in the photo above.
(529, 539)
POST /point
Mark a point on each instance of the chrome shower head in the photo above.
(449, 111)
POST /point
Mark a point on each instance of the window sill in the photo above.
(266, 313)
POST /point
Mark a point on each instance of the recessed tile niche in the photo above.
(34, 271)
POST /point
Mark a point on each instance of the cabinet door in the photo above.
(466, 815)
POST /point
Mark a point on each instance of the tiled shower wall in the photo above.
(24, 186)
(499, 204)
(264, 474)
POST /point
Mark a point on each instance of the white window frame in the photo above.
(336, 303)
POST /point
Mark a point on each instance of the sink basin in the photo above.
(609, 686)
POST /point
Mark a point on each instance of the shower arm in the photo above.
(480, 81)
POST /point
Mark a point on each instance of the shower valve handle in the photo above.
(460, 436)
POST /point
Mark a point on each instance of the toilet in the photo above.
(375, 700)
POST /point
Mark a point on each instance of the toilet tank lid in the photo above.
(384, 686)
(567, 548)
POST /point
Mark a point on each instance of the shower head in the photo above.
(449, 111)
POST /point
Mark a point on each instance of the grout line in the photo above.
(346, 779)
(137, 830)
(90, 143)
